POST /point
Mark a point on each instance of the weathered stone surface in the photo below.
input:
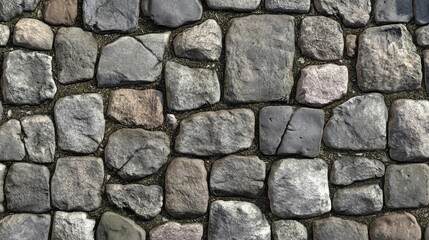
(11, 9)
(299, 188)
(238, 176)
(358, 124)
(60, 12)
(333, 228)
(407, 186)
(422, 36)
(77, 183)
(34, 34)
(320, 85)
(400, 226)
(237, 220)
(393, 11)
(283, 130)
(145, 201)
(221, 132)
(376, 71)
(25, 227)
(236, 5)
(353, 13)
(201, 42)
(72, 226)
(288, 6)
(174, 13)
(136, 153)
(347, 170)
(75, 55)
(114, 226)
(27, 78)
(252, 72)
(117, 16)
(137, 107)
(11, 146)
(80, 122)
(421, 12)
(2, 176)
(351, 45)
(426, 69)
(156, 43)
(190, 88)
(408, 138)
(362, 200)
(288, 229)
(39, 138)
(176, 231)
(4, 34)
(27, 188)
(321, 38)
(186, 188)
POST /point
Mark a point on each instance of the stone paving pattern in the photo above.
(214, 119)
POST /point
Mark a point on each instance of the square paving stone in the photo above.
(401, 226)
(72, 226)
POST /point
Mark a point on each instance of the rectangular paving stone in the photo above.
(421, 11)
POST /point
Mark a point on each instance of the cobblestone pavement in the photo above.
(214, 119)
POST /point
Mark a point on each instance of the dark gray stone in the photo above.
(72, 226)
(288, 229)
(11, 146)
(177, 231)
(39, 138)
(362, 200)
(354, 13)
(25, 227)
(347, 170)
(11, 9)
(422, 36)
(237, 220)
(113, 226)
(421, 12)
(236, 5)
(259, 58)
(393, 11)
(156, 43)
(333, 228)
(288, 6)
(174, 13)
(358, 124)
(401, 226)
(241, 176)
(273, 121)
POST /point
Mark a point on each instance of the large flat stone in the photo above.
(288, 229)
(60, 12)
(174, 13)
(33, 34)
(114, 226)
(25, 227)
(401, 226)
(177, 231)
(333, 228)
(361, 200)
(39, 138)
(353, 13)
(393, 11)
(347, 170)
(72, 226)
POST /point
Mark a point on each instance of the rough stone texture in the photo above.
(399, 226)
(393, 11)
(288, 6)
(11, 9)
(80, 122)
(25, 227)
(27, 188)
(39, 138)
(320, 85)
(321, 38)
(422, 36)
(137, 107)
(421, 12)
(60, 12)
(236, 5)
(298, 188)
(176, 231)
(407, 186)
(72, 226)
(221, 132)
(4, 34)
(358, 124)
(237, 220)
(75, 55)
(238, 176)
(2, 176)
(252, 72)
(156, 43)
(186, 188)
(347, 170)
(408, 138)
(351, 45)
(362, 200)
(113, 226)
(33, 34)
(426, 69)
(333, 228)
(116, 16)
(27, 78)
(11, 146)
(174, 13)
(272, 125)
(353, 13)
(375, 69)
(288, 229)
(145, 201)
(77, 183)
(190, 88)
(201, 42)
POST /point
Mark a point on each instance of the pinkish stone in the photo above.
(176, 231)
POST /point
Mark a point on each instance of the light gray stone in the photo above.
(347, 170)
(113, 226)
(351, 45)
(236, 5)
(259, 58)
(144, 201)
(221, 132)
(33, 34)
(11, 146)
(320, 85)
(72, 226)
(2, 176)
(321, 38)
(201, 42)
(27, 78)
(353, 13)
(174, 13)
(4, 34)
(288, 229)
(39, 138)
(333, 228)
(137, 153)
(80, 122)
(426, 69)
(401, 226)
(421, 12)
(238, 176)
(358, 124)
(190, 88)
(393, 11)
(288, 6)
(237, 220)
(298, 188)
(422, 36)
(77, 183)
(11, 9)
(376, 71)
(177, 231)
(362, 200)
(25, 227)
